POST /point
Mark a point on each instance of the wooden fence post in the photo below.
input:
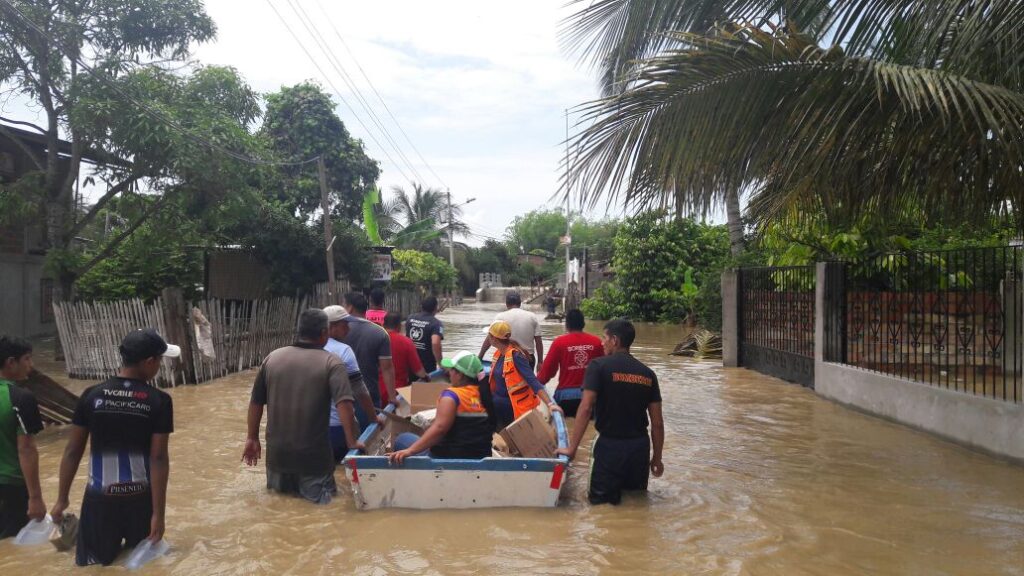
(176, 321)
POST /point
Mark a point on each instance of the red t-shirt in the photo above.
(376, 316)
(569, 355)
(406, 360)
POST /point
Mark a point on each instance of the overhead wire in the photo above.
(156, 114)
(336, 91)
(335, 63)
(373, 87)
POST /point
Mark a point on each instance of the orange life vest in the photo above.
(522, 397)
(470, 434)
(469, 400)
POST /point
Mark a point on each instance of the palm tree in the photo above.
(861, 105)
(418, 219)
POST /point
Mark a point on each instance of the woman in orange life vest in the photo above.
(464, 423)
(515, 387)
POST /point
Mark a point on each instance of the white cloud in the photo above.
(479, 87)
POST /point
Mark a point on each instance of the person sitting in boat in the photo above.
(514, 385)
(464, 423)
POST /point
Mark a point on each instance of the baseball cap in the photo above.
(146, 343)
(336, 314)
(465, 362)
(500, 329)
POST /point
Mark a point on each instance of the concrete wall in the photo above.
(497, 293)
(21, 296)
(988, 425)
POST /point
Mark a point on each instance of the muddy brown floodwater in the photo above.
(762, 477)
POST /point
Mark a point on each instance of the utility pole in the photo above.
(325, 203)
(568, 191)
(451, 235)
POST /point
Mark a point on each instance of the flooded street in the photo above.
(762, 477)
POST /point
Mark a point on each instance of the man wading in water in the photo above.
(295, 383)
(21, 498)
(624, 392)
(130, 423)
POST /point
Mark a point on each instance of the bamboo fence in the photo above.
(90, 333)
(242, 334)
(236, 335)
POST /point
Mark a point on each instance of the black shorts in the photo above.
(110, 524)
(570, 407)
(13, 509)
(617, 465)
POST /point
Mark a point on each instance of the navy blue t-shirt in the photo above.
(122, 415)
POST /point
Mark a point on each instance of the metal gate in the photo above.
(776, 327)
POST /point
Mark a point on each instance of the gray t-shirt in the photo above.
(295, 383)
(371, 343)
(525, 327)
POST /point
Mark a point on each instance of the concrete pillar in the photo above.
(819, 312)
(730, 319)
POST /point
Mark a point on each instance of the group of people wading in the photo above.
(319, 394)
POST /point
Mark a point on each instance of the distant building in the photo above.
(26, 288)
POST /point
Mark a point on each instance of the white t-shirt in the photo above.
(524, 327)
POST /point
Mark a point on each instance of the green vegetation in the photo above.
(423, 271)
(666, 269)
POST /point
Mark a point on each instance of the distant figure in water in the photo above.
(294, 384)
(569, 356)
(464, 425)
(624, 392)
(376, 312)
(130, 423)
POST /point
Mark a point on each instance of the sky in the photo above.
(479, 88)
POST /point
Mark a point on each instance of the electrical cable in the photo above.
(333, 61)
(337, 92)
(330, 22)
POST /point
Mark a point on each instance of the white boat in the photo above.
(424, 483)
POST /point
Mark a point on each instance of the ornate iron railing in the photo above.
(777, 321)
(952, 319)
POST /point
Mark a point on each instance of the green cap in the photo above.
(465, 362)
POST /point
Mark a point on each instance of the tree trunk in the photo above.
(734, 219)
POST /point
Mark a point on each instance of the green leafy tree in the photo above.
(659, 261)
(301, 122)
(422, 271)
(43, 45)
(537, 229)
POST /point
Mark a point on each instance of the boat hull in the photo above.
(426, 483)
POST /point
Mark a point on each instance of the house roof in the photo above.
(34, 139)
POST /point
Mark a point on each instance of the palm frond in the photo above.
(982, 40)
(774, 113)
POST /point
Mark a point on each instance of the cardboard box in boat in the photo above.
(382, 442)
(423, 395)
(531, 435)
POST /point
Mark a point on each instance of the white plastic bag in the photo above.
(425, 418)
(35, 532)
(145, 552)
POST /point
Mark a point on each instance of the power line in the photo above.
(333, 61)
(159, 115)
(335, 88)
(330, 22)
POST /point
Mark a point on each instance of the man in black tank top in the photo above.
(622, 393)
